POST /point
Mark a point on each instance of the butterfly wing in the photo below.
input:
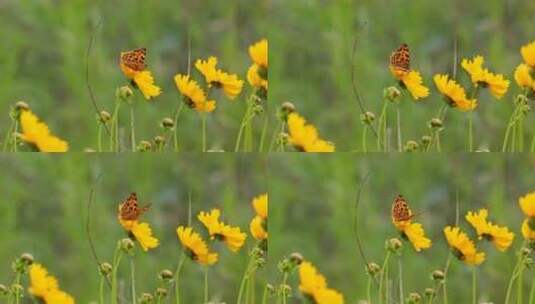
(129, 209)
(401, 59)
(400, 209)
(135, 59)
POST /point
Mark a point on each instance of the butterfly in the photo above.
(400, 210)
(135, 59)
(130, 210)
(400, 60)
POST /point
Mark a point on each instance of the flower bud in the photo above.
(124, 93)
(394, 245)
(159, 140)
(373, 269)
(426, 140)
(17, 289)
(414, 298)
(411, 146)
(429, 293)
(167, 123)
(22, 106)
(144, 146)
(105, 269)
(271, 289)
(296, 258)
(165, 275)
(282, 139)
(27, 259)
(285, 110)
(161, 293)
(438, 276)
(367, 118)
(392, 94)
(3, 290)
(435, 123)
(104, 117)
(127, 245)
(146, 298)
(285, 290)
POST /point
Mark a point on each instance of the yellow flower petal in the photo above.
(143, 234)
(257, 228)
(232, 236)
(305, 137)
(195, 246)
(501, 237)
(527, 204)
(528, 54)
(145, 83)
(260, 205)
(413, 82)
(38, 134)
(310, 279)
(523, 77)
(527, 232)
(454, 93)
(416, 235)
(464, 248)
(194, 96)
(259, 53)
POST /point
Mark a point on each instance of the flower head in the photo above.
(230, 83)
(254, 78)
(528, 54)
(527, 231)
(141, 77)
(523, 77)
(259, 53)
(258, 224)
(527, 204)
(45, 287)
(415, 233)
(232, 236)
(464, 249)
(305, 137)
(195, 247)
(454, 93)
(260, 205)
(314, 286)
(497, 84)
(141, 232)
(37, 133)
(194, 96)
(501, 237)
(413, 82)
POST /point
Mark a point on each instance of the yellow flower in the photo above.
(260, 205)
(523, 77)
(232, 236)
(195, 247)
(314, 286)
(194, 96)
(496, 83)
(464, 249)
(413, 82)
(501, 237)
(230, 83)
(254, 78)
(141, 232)
(41, 283)
(258, 229)
(454, 93)
(37, 133)
(259, 53)
(415, 233)
(45, 287)
(527, 204)
(310, 280)
(528, 54)
(143, 80)
(527, 231)
(304, 137)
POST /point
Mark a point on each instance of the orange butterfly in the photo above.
(135, 59)
(400, 210)
(400, 60)
(130, 210)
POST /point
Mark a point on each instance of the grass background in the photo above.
(43, 212)
(44, 61)
(312, 212)
(311, 45)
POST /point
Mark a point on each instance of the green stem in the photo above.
(382, 127)
(133, 277)
(382, 277)
(400, 144)
(470, 132)
(243, 123)
(244, 279)
(518, 265)
(278, 130)
(17, 281)
(175, 131)
(203, 122)
(264, 131)
(474, 285)
(9, 134)
(401, 297)
(368, 289)
(132, 128)
(364, 145)
(205, 284)
(15, 144)
(265, 295)
(113, 129)
(520, 134)
(116, 260)
(177, 277)
(99, 138)
(284, 280)
(532, 292)
(520, 284)
(101, 289)
(444, 287)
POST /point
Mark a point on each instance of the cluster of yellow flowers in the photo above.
(313, 285)
(45, 287)
(525, 72)
(527, 204)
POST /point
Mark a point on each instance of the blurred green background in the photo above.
(312, 212)
(312, 42)
(44, 60)
(43, 211)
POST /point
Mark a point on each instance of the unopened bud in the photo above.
(435, 123)
(392, 94)
(167, 123)
(296, 258)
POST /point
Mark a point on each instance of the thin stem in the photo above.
(284, 280)
(175, 131)
(114, 123)
(133, 279)
(368, 289)
(278, 130)
(364, 145)
(177, 277)
(132, 128)
(520, 284)
(205, 284)
(244, 279)
(15, 144)
(243, 123)
(400, 144)
(532, 292)
(470, 132)
(116, 260)
(400, 269)
(99, 138)
(203, 122)
(17, 295)
(474, 285)
(101, 289)
(9, 134)
(514, 275)
(265, 295)
(382, 127)
(382, 277)
(444, 287)
(264, 131)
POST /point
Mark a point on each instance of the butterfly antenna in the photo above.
(362, 183)
(356, 92)
(90, 200)
(88, 84)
